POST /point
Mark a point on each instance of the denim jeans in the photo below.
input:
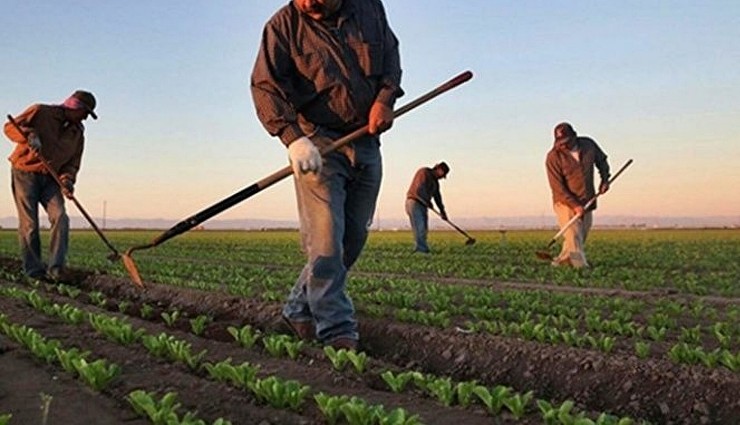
(574, 238)
(419, 216)
(335, 209)
(30, 190)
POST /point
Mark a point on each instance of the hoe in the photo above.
(275, 177)
(128, 262)
(545, 253)
(470, 240)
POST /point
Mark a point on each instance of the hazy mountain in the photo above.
(472, 223)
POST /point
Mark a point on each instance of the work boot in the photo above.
(303, 330)
(344, 343)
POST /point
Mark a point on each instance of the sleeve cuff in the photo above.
(291, 133)
(388, 95)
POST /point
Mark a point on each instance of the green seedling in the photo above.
(97, 374)
(493, 399)
(279, 393)
(198, 325)
(123, 306)
(65, 358)
(330, 406)
(442, 389)
(517, 403)
(238, 376)
(170, 318)
(146, 311)
(5, 418)
(97, 298)
(397, 383)
(245, 336)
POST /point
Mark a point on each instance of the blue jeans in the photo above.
(419, 217)
(335, 209)
(30, 190)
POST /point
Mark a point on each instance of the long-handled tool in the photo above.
(128, 262)
(284, 172)
(545, 253)
(469, 241)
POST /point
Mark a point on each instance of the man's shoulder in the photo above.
(586, 141)
(41, 111)
(283, 16)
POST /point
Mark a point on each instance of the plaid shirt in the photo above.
(313, 74)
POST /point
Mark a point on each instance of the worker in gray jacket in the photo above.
(570, 170)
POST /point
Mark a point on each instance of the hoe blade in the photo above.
(128, 263)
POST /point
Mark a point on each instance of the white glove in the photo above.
(34, 142)
(304, 156)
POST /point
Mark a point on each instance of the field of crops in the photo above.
(476, 334)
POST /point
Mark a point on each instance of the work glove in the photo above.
(603, 187)
(33, 141)
(304, 156)
(68, 185)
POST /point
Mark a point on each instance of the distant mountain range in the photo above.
(474, 223)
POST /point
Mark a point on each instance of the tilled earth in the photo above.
(655, 389)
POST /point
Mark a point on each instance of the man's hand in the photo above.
(33, 141)
(578, 210)
(304, 156)
(603, 187)
(443, 214)
(380, 118)
(68, 186)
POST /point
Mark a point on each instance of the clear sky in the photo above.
(656, 81)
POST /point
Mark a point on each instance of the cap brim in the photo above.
(93, 114)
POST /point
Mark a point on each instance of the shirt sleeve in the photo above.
(601, 164)
(390, 88)
(271, 86)
(24, 120)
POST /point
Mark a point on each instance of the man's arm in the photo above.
(271, 86)
(24, 120)
(381, 112)
(603, 166)
(557, 183)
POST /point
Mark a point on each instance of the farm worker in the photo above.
(570, 171)
(425, 187)
(325, 68)
(56, 132)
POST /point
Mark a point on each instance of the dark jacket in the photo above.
(425, 187)
(311, 74)
(571, 181)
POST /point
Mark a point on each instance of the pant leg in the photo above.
(320, 290)
(419, 217)
(26, 193)
(53, 202)
(573, 238)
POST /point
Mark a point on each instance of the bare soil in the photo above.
(654, 389)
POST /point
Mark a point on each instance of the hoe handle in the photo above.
(58, 179)
(286, 171)
(587, 206)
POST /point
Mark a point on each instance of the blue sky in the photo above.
(655, 81)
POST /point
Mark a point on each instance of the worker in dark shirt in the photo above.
(423, 189)
(324, 69)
